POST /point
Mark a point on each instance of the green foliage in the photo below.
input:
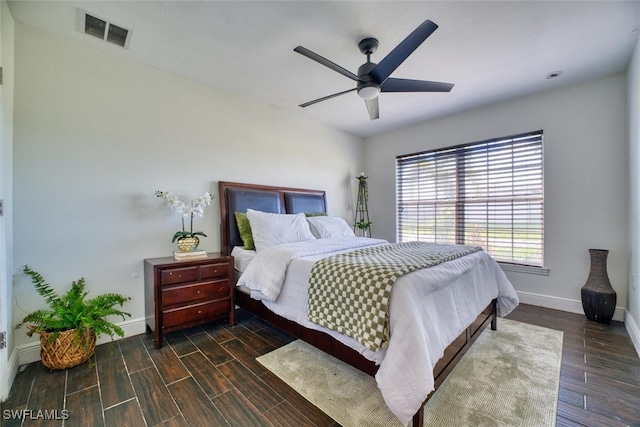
(363, 225)
(73, 310)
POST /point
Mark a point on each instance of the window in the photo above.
(487, 193)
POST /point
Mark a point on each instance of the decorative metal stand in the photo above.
(361, 223)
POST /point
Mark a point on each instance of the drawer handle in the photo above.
(199, 311)
(198, 292)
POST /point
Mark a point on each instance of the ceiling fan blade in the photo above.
(315, 101)
(408, 85)
(401, 52)
(372, 107)
(324, 61)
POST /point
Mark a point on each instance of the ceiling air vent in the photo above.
(105, 30)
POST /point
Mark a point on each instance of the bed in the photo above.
(429, 334)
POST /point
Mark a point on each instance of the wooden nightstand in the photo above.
(181, 294)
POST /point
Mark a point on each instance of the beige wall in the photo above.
(96, 135)
(586, 181)
(6, 195)
(633, 96)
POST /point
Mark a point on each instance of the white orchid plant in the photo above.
(195, 208)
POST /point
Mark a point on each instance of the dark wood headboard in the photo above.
(238, 197)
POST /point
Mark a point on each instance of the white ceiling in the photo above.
(491, 50)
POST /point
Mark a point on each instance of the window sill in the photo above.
(528, 269)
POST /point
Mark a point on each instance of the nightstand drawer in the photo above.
(193, 313)
(187, 294)
(179, 275)
(214, 270)
(184, 293)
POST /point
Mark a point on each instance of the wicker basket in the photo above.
(66, 351)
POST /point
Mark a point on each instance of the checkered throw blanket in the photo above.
(349, 292)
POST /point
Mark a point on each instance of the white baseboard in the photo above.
(28, 353)
(573, 306)
(563, 304)
(31, 352)
(634, 331)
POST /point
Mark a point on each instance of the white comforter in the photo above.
(429, 309)
(266, 272)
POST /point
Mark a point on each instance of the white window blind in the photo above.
(487, 193)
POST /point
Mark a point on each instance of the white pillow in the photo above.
(271, 229)
(324, 227)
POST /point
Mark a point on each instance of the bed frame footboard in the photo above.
(452, 354)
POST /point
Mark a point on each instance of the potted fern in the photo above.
(69, 327)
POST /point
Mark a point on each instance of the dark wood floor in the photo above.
(208, 376)
(600, 374)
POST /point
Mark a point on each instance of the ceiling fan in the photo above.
(374, 78)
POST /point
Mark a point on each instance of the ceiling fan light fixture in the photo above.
(369, 91)
(374, 78)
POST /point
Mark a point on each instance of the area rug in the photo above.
(509, 377)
